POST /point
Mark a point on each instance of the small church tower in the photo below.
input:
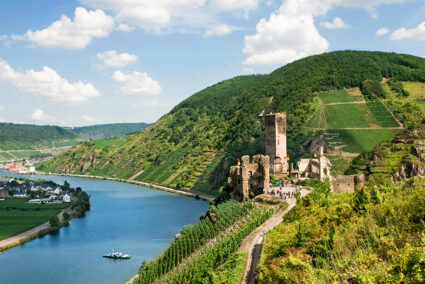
(276, 144)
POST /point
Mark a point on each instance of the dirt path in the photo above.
(347, 103)
(16, 240)
(252, 242)
(136, 175)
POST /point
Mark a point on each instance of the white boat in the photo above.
(117, 255)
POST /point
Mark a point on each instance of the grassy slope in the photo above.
(374, 236)
(17, 216)
(23, 136)
(231, 272)
(108, 130)
(194, 145)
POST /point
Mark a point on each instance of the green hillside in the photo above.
(194, 145)
(375, 235)
(108, 130)
(25, 136)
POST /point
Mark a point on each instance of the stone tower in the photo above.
(276, 144)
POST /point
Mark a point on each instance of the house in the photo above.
(4, 193)
(66, 198)
(39, 201)
(57, 190)
(5, 181)
(20, 194)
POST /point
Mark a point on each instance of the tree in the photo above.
(66, 216)
(54, 222)
(360, 200)
(66, 185)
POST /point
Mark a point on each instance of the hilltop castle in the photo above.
(252, 176)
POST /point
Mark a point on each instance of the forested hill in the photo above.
(108, 130)
(194, 145)
(25, 136)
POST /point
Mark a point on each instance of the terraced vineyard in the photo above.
(199, 249)
(351, 125)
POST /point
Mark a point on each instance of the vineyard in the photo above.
(201, 248)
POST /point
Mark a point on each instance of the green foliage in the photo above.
(274, 180)
(200, 249)
(384, 244)
(360, 201)
(108, 130)
(372, 89)
(24, 136)
(231, 271)
(54, 222)
(397, 87)
(194, 145)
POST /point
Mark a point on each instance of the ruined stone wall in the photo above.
(343, 184)
(250, 177)
(348, 183)
(275, 143)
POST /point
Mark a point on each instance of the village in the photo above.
(24, 166)
(39, 192)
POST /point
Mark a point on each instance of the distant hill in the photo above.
(108, 130)
(194, 145)
(26, 136)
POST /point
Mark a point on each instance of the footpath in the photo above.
(253, 242)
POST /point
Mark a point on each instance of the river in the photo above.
(135, 219)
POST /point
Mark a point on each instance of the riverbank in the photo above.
(35, 232)
(190, 193)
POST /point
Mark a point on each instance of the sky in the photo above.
(85, 62)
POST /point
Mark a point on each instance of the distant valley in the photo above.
(24, 141)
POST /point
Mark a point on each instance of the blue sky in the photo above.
(101, 61)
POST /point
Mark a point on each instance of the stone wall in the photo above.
(343, 184)
(348, 183)
(249, 177)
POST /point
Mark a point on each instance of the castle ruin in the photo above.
(315, 168)
(254, 176)
(249, 177)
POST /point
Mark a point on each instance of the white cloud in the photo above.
(88, 118)
(173, 15)
(218, 30)
(73, 34)
(290, 32)
(417, 33)
(137, 84)
(382, 31)
(47, 83)
(233, 5)
(1, 108)
(39, 116)
(112, 59)
(125, 28)
(337, 23)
